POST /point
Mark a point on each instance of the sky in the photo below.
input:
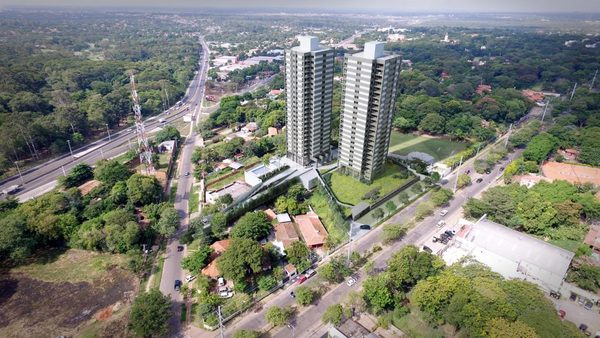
(373, 5)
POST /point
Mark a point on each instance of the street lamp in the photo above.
(108, 131)
(70, 150)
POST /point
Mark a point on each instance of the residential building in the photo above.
(369, 92)
(211, 270)
(593, 239)
(235, 189)
(309, 96)
(312, 230)
(285, 235)
(513, 254)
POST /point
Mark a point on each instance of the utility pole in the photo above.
(293, 328)
(19, 171)
(101, 153)
(220, 321)
(544, 113)
(63, 170)
(71, 150)
(573, 92)
(594, 80)
(508, 136)
(457, 174)
(108, 131)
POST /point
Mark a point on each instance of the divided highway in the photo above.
(47, 173)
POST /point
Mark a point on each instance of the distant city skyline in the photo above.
(382, 6)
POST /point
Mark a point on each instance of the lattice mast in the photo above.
(143, 146)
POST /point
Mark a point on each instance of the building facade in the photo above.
(368, 99)
(309, 91)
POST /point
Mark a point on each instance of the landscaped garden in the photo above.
(350, 190)
(439, 148)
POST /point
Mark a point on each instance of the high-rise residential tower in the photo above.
(309, 95)
(369, 92)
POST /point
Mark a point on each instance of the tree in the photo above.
(502, 328)
(121, 237)
(463, 181)
(110, 172)
(267, 282)
(298, 254)
(392, 232)
(377, 293)
(403, 197)
(218, 223)
(304, 295)
(253, 225)
(335, 270)
(433, 123)
(423, 210)
(378, 213)
(334, 314)
(537, 215)
(243, 256)
(441, 196)
(409, 265)
(245, 333)
(167, 133)
(78, 175)
(390, 206)
(590, 146)
(143, 190)
(168, 223)
(150, 314)
(586, 276)
(198, 259)
(16, 242)
(278, 316)
(539, 147)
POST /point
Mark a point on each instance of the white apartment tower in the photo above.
(309, 95)
(369, 92)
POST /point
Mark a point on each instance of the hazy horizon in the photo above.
(380, 6)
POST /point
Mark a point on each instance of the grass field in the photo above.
(439, 148)
(337, 232)
(73, 266)
(194, 199)
(368, 218)
(350, 190)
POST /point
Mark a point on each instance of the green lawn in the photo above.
(337, 232)
(238, 176)
(439, 148)
(194, 200)
(413, 325)
(350, 190)
(158, 271)
(368, 217)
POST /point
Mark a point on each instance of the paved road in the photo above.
(308, 321)
(44, 174)
(172, 267)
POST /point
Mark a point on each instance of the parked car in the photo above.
(309, 273)
(443, 212)
(441, 223)
(187, 173)
(562, 314)
(365, 227)
(292, 294)
(426, 248)
(479, 180)
(179, 248)
(450, 233)
(220, 281)
(302, 279)
(226, 294)
(588, 305)
(189, 278)
(350, 281)
(177, 284)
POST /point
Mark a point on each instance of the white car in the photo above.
(441, 223)
(189, 278)
(351, 281)
(443, 212)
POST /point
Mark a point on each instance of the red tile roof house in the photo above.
(593, 238)
(312, 230)
(285, 235)
(211, 270)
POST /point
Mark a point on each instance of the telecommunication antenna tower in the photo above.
(143, 146)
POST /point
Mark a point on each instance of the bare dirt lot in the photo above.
(33, 304)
